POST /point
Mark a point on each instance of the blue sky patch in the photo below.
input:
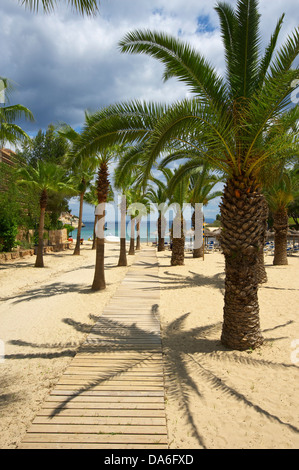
(204, 25)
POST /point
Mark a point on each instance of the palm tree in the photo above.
(158, 196)
(202, 182)
(83, 172)
(128, 178)
(178, 193)
(91, 197)
(279, 196)
(9, 131)
(89, 7)
(230, 117)
(103, 191)
(46, 176)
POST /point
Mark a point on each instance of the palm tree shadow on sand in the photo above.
(180, 357)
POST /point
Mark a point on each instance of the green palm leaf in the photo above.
(180, 61)
(89, 7)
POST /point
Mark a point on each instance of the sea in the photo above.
(148, 230)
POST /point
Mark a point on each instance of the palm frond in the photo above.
(245, 57)
(180, 61)
(127, 122)
(187, 118)
(267, 59)
(228, 26)
(88, 7)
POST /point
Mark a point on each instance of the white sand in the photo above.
(215, 398)
(45, 314)
(221, 399)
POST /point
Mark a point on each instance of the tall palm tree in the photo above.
(89, 7)
(9, 131)
(279, 196)
(178, 194)
(46, 176)
(127, 179)
(82, 172)
(202, 181)
(103, 192)
(230, 117)
(91, 197)
(158, 196)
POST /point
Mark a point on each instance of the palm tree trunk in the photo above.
(132, 239)
(94, 243)
(39, 262)
(241, 214)
(261, 270)
(102, 189)
(280, 237)
(161, 240)
(197, 252)
(178, 244)
(122, 261)
(138, 247)
(99, 277)
(77, 247)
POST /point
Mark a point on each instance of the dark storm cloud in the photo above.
(64, 64)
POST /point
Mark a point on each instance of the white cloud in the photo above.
(65, 64)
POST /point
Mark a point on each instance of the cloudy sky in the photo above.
(63, 64)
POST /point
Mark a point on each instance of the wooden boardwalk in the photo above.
(111, 396)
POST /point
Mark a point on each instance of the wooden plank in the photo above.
(101, 421)
(55, 445)
(109, 393)
(106, 412)
(115, 381)
(96, 438)
(104, 399)
(57, 405)
(95, 429)
(110, 387)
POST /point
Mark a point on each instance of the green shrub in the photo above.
(8, 232)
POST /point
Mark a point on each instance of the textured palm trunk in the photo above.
(261, 270)
(77, 247)
(132, 238)
(99, 282)
(197, 252)
(138, 245)
(39, 262)
(122, 261)
(241, 213)
(280, 225)
(94, 233)
(178, 243)
(161, 239)
(102, 189)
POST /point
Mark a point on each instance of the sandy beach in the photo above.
(215, 398)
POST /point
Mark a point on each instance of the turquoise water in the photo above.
(147, 231)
